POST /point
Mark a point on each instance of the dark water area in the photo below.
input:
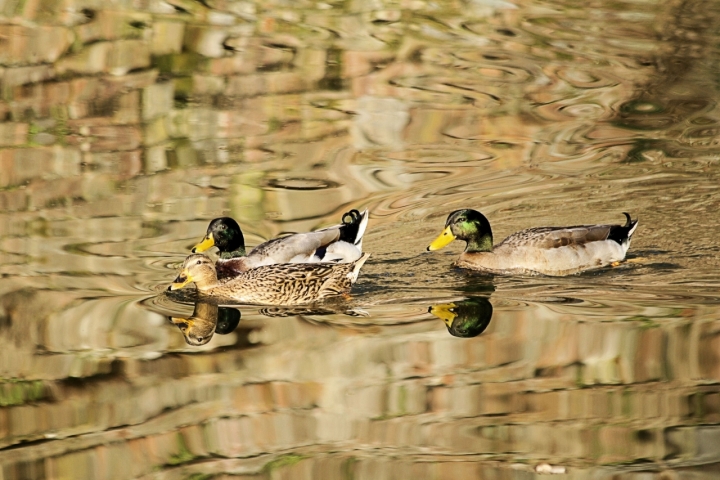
(126, 126)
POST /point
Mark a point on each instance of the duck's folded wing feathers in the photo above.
(284, 249)
(555, 237)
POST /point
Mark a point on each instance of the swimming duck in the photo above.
(340, 243)
(544, 250)
(282, 284)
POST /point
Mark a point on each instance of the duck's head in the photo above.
(467, 318)
(223, 233)
(196, 268)
(468, 225)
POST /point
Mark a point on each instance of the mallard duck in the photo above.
(466, 318)
(340, 243)
(282, 284)
(544, 250)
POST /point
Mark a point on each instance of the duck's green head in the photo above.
(225, 234)
(468, 225)
(467, 318)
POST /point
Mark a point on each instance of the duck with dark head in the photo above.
(339, 244)
(540, 250)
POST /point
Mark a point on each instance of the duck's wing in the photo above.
(556, 237)
(339, 243)
(285, 249)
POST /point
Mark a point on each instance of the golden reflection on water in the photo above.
(125, 128)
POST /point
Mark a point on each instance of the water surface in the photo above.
(127, 126)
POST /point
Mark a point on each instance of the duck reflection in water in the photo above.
(466, 318)
(206, 320)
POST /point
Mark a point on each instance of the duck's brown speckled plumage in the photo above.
(284, 284)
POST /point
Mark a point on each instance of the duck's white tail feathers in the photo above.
(627, 231)
(364, 219)
(353, 274)
(632, 229)
(352, 230)
(342, 252)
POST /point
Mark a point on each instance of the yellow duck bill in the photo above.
(181, 280)
(442, 240)
(444, 312)
(207, 243)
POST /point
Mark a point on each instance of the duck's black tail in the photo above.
(622, 233)
(353, 227)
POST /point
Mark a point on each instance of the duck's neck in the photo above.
(480, 243)
(239, 252)
(207, 282)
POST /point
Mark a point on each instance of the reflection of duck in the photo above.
(340, 243)
(227, 321)
(467, 318)
(546, 250)
(199, 328)
(207, 319)
(314, 310)
(285, 284)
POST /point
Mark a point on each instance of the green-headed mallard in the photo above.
(545, 250)
(340, 243)
(282, 284)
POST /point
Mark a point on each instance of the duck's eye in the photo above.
(223, 226)
(462, 219)
(198, 262)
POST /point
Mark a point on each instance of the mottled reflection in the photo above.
(125, 127)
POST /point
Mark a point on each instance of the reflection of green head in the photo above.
(468, 318)
(468, 225)
(228, 319)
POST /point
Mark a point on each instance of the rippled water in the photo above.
(128, 125)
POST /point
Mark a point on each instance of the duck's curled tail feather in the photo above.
(623, 233)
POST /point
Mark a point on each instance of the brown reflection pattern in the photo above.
(126, 125)
(541, 384)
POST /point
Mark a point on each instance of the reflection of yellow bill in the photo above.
(183, 323)
(183, 279)
(442, 240)
(207, 242)
(444, 312)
